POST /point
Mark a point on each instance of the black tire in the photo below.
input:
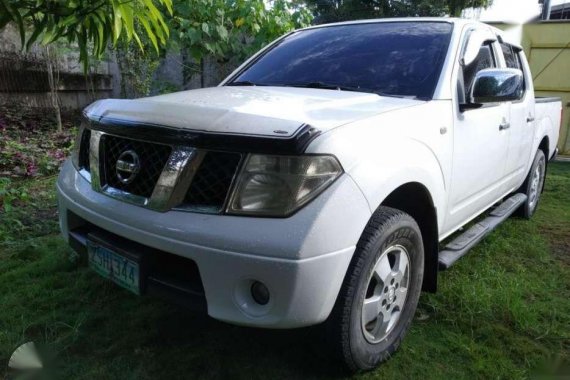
(347, 332)
(528, 208)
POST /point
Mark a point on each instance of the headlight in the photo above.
(280, 185)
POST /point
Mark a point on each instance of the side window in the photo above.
(519, 58)
(485, 60)
(511, 57)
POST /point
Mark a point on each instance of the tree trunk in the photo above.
(53, 79)
(120, 54)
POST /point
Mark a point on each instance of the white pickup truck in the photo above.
(319, 181)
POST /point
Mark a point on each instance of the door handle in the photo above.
(530, 119)
(504, 125)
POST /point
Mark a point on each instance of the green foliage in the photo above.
(9, 194)
(457, 6)
(31, 149)
(228, 29)
(340, 10)
(27, 209)
(165, 87)
(88, 23)
(136, 67)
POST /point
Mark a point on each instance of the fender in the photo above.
(385, 152)
(543, 128)
(379, 176)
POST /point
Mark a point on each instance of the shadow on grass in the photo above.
(226, 351)
(102, 331)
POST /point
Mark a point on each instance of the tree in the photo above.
(92, 24)
(341, 10)
(457, 6)
(52, 64)
(232, 29)
(136, 67)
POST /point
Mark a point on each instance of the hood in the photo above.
(258, 111)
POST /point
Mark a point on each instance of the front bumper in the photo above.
(301, 259)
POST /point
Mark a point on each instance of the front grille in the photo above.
(84, 150)
(153, 158)
(212, 181)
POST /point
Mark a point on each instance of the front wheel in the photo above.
(532, 185)
(380, 292)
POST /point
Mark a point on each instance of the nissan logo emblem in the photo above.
(127, 167)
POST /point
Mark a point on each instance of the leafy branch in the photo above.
(92, 24)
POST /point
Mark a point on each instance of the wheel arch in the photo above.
(544, 145)
(415, 199)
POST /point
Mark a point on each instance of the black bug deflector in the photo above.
(295, 144)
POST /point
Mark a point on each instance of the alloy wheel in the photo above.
(386, 293)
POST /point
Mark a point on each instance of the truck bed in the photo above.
(548, 115)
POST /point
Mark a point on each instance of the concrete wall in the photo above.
(172, 69)
(24, 78)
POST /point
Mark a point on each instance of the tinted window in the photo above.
(395, 58)
(521, 66)
(510, 57)
(484, 60)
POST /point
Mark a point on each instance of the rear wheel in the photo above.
(533, 184)
(380, 292)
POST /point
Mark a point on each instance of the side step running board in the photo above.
(459, 246)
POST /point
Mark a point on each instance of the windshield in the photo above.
(388, 58)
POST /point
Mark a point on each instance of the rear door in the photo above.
(480, 145)
(521, 120)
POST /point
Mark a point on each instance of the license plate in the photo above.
(111, 265)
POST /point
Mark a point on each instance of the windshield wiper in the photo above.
(396, 95)
(330, 86)
(242, 83)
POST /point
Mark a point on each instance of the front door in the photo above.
(480, 149)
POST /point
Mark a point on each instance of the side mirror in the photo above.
(497, 85)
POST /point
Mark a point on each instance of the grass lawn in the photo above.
(502, 312)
